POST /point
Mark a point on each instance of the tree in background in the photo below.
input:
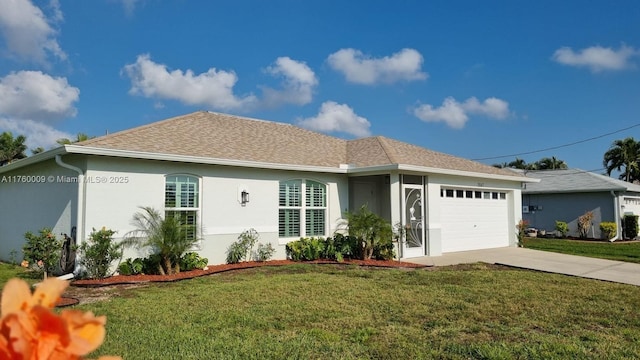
(551, 163)
(624, 156)
(79, 137)
(11, 148)
(545, 163)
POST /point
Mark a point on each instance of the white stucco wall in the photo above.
(116, 188)
(34, 197)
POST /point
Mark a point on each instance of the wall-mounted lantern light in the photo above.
(244, 197)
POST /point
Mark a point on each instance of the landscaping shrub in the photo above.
(384, 250)
(370, 229)
(192, 260)
(608, 229)
(264, 252)
(306, 249)
(522, 228)
(562, 228)
(584, 224)
(128, 267)
(42, 251)
(630, 226)
(241, 249)
(99, 252)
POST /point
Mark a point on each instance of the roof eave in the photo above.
(34, 159)
(431, 170)
(86, 150)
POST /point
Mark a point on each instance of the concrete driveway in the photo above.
(592, 268)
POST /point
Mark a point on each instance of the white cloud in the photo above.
(334, 117)
(597, 58)
(298, 84)
(456, 114)
(37, 133)
(27, 31)
(129, 6)
(213, 88)
(357, 68)
(37, 96)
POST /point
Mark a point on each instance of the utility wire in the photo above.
(559, 146)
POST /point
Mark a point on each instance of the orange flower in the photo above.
(30, 330)
(24, 263)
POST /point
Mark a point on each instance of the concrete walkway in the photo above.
(592, 268)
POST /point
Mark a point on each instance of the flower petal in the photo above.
(16, 296)
(86, 330)
(48, 292)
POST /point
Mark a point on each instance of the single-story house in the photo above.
(226, 174)
(565, 195)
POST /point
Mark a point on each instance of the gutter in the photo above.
(81, 204)
(616, 215)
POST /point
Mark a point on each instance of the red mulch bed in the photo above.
(66, 301)
(214, 269)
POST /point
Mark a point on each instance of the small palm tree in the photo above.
(168, 237)
(624, 155)
(11, 148)
(368, 228)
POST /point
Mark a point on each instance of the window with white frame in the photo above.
(182, 200)
(298, 216)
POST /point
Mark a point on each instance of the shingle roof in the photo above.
(574, 180)
(229, 137)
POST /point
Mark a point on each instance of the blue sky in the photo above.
(476, 79)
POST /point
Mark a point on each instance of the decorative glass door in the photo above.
(413, 220)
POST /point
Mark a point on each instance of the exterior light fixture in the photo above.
(244, 197)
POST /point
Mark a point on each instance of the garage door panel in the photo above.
(472, 224)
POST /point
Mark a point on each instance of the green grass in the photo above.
(627, 251)
(8, 271)
(330, 312)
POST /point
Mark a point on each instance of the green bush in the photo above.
(42, 251)
(306, 249)
(241, 249)
(99, 252)
(630, 226)
(264, 252)
(192, 260)
(562, 228)
(384, 250)
(608, 229)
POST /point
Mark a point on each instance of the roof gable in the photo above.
(210, 135)
(221, 136)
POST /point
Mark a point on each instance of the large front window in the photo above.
(300, 216)
(181, 200)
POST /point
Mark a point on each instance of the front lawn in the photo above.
(624, 251)
(345, 312)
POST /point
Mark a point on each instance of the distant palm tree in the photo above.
(550, 164)
(80, 137)
(168, 237)
(518, 164)
(37, 150)
(11, 148)
(624, 155)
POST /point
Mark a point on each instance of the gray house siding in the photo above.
(545, 209)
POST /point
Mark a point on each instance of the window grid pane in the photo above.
(315, 221)
(289, 223)
(316, 194)
(290, 193)
(187, 218)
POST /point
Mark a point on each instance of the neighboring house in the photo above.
(565, 195)
(227, 174)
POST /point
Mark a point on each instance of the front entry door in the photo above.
(413, 221)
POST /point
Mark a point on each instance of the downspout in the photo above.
(616, 215)
(80, 206)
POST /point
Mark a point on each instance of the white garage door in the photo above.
(473, 220)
